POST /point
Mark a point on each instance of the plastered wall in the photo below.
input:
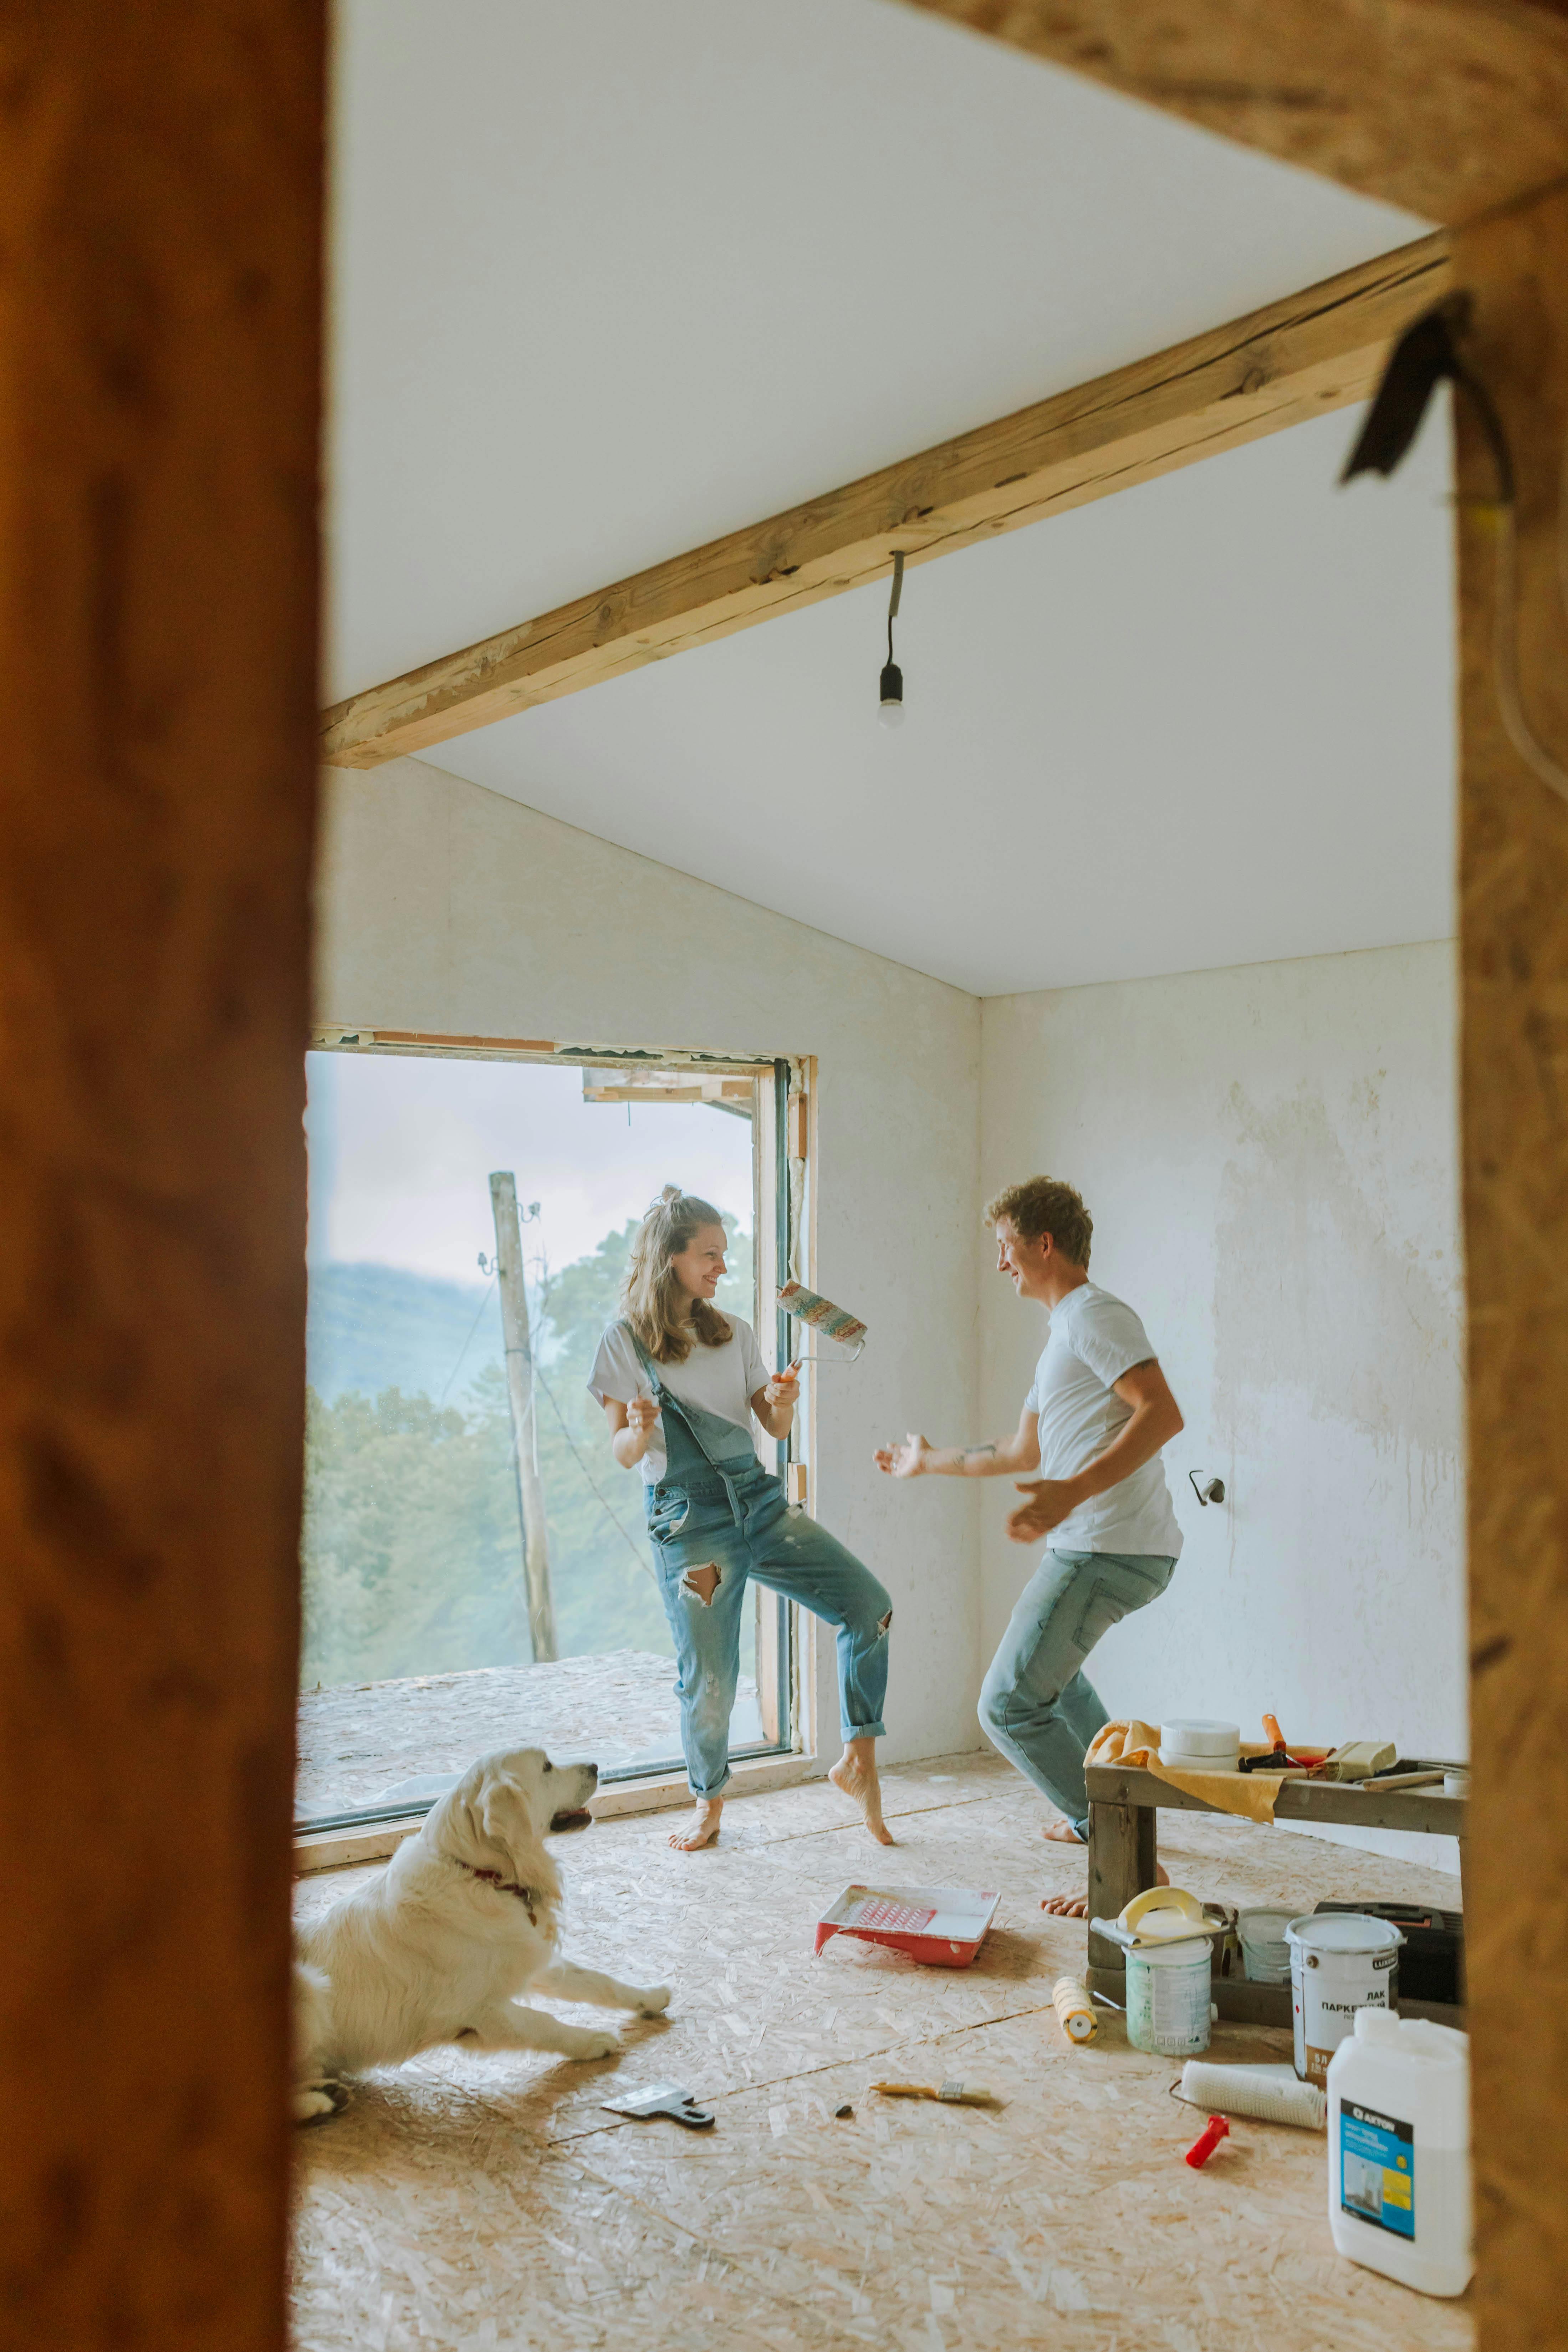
(445, 907)
(1270, 1156)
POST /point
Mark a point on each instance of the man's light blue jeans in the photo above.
(1036, 1704)
(745, 1529)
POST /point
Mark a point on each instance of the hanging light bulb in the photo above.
(890, 711)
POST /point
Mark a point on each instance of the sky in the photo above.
(402, 1147)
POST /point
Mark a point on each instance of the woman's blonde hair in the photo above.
(663, 1316)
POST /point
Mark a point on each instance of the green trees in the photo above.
(411, 1551)
(410, 1540)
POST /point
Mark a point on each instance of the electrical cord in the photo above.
(1432, 349)
(1505, 648)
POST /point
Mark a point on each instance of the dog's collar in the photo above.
(527, 1896)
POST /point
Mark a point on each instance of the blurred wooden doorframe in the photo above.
(160, 306)
(160, 223)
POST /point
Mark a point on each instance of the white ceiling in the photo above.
(610, 279)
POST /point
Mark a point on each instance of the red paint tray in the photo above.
(944, 1926)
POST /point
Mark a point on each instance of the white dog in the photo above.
(459, 1925)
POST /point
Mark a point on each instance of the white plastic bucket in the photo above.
(1168, 1997)
(1340, 1961)
(1399, 2151)
(1265, 1955)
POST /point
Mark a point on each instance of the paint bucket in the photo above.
(1168, 2009)
(1340, 1961)
(1265, 1954)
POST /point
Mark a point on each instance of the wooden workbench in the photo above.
(1123, 1851)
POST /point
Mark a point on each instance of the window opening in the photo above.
(424, 1642)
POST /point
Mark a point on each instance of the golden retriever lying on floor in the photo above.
(457, 1928)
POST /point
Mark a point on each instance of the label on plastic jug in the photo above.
(1377, 2170)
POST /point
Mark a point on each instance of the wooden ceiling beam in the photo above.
(1314, 351)
(1449, 108)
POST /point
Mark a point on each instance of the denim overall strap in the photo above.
(718, 1442)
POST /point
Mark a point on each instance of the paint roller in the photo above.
(835, 1323)
(1074, 2012)
(1273, 2096)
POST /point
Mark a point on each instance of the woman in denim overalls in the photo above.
(716, 1516)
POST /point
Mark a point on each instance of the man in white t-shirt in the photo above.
(1093, 1424)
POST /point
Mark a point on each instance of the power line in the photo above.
(631, 1545)
(466, 1346)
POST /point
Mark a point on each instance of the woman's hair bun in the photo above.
(670, 1193)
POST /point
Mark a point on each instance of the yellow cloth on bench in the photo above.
(1136, 1744)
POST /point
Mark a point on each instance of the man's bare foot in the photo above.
(854, 1776)
(1061, 1831)
(702, 1830)
(1076, 1907)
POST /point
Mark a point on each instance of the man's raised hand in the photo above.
(906, 1461)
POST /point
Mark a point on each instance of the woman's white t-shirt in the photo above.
(720, 1380)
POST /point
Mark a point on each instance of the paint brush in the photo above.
(958, 2095)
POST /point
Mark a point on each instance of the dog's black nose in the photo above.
(592, 1768)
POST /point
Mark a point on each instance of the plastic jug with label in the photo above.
(1399, 2150)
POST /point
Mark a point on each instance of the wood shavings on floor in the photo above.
(478, 2201)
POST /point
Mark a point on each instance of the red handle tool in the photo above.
(1208, 2139)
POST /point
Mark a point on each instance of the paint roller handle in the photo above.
(774, 1405)
(642, 1415)
(1208, 2139)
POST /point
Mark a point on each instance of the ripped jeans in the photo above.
(1036, 1704)
(694, 1527)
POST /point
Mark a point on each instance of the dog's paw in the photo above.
(315, 2102)
(653, 2001)
(590, 2041)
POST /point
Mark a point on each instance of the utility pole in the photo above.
(519, 1392)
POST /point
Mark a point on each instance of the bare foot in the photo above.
(702, 1830)
(1076, 1907)
(854, 1776)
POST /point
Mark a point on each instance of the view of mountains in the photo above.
(372, 1328)
(412, 1548)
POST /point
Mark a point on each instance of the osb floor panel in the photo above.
(361, 1741)
(473, 2202)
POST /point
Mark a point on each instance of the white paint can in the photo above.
(1340, 1961)
(1168, 1997)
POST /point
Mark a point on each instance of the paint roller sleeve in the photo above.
(833, 1322)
